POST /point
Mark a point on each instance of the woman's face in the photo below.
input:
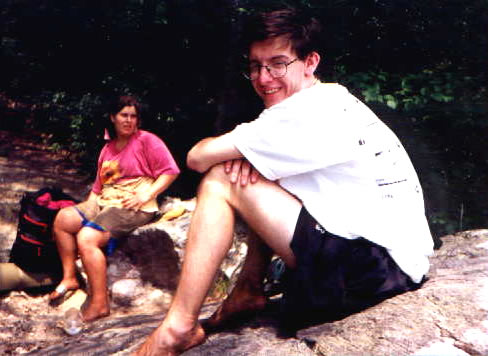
(125, 121)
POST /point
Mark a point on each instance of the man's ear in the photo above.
(311, 63)
(112, 118)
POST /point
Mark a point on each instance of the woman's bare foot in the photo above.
(65, 286)
(165, 341)
(241, 304)
(92, 311)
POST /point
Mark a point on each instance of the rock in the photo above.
(447, 316)
(124, 291)
(74, 301)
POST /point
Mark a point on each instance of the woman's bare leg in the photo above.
(90, 243)
(66, 225)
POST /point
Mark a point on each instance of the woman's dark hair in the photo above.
(300, 29)
(116, 105)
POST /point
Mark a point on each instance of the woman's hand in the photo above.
(241, 170)
(136, 200)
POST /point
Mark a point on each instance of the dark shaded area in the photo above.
(421, 65)
(159, 264)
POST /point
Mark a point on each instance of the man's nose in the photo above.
(264, 75)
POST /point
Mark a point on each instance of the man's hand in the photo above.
(241, 170)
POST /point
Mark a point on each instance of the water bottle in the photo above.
(73, 321)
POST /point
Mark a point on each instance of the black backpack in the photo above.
(34, 249)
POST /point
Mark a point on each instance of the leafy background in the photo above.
(420, 65)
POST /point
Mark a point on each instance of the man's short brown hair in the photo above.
(301, 30)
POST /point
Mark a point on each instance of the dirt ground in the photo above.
(26, 164)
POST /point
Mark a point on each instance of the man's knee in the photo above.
(215, 181)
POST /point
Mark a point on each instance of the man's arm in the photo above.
(211, 151)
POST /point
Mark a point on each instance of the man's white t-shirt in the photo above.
(347, 167)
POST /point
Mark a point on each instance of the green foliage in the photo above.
(424, 61)
(75, 123)
(410, 92)
(443, 221)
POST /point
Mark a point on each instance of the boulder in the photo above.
(447, 316)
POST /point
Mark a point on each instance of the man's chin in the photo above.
(270, 102)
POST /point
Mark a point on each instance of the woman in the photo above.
(133, 169)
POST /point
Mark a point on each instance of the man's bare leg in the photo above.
(209, 239)
(90, 243)
(66, 226)
(247, 296)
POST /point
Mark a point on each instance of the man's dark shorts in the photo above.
(335, 276)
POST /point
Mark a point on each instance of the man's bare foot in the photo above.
(239, 305)
(93, 311)
(166, 342)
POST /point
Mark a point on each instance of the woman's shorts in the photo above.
(118, 221)
(334, 276)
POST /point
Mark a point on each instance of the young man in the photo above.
(337, 198)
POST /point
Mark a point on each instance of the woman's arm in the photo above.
(92, 196)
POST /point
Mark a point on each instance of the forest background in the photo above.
(420, 65)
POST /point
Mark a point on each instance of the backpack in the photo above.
(34, 249)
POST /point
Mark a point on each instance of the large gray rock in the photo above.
(447, 316)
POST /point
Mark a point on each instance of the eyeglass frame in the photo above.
(260, 66)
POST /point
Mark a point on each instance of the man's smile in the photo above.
(270, 91)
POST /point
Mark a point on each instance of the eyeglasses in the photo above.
(275, 70)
